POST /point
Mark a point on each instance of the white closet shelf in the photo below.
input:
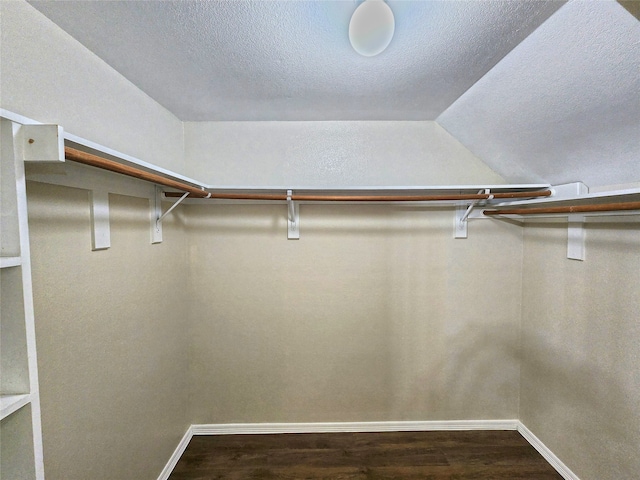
(573, 202)
(11, 403)
(6, 262)
(419, 195)
(608, 196)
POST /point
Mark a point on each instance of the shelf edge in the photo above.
(7, 262)
(11, 403)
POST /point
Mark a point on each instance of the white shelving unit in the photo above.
(21, 455)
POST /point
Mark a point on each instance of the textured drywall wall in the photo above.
(376, 313)
(50, 77)
(581, 348)
(111, 334)
(564, 105)
(326, 154)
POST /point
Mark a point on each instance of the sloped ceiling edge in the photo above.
(564, 105)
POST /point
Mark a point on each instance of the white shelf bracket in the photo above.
(178, 202)
(461, 222)
(100, 228)
(575, 238)
(462, 214)
(42, 143)
(156, 215)
(293, 218)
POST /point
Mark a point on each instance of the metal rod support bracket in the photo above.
(460, 224)
(178, 202)
(293, 218)
(156, 213)
(462, 214)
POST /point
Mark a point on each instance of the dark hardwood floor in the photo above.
(350, 456)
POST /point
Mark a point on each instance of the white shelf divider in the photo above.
(21, 430)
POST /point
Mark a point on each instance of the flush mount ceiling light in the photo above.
(371, 27)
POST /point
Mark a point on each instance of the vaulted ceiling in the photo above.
(536, 89)
(564, 105)
(292, 60)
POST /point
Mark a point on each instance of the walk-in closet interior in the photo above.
(225, 217)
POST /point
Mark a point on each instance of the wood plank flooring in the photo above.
(360, 456)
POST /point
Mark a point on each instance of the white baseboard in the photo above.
(177, 453)
(356, 427)
(263, 428)
(548, 455)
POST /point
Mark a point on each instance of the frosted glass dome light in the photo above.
(371, 27)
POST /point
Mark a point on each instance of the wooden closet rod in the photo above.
(96, 161)
(369, 198)
(603, 207)
(100, 162)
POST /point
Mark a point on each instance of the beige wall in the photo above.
(111, 336)
(329, 154)
(581, 348)
(50, 77)
(376, 313)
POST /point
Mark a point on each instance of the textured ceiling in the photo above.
(565, 105)
(291, 60)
